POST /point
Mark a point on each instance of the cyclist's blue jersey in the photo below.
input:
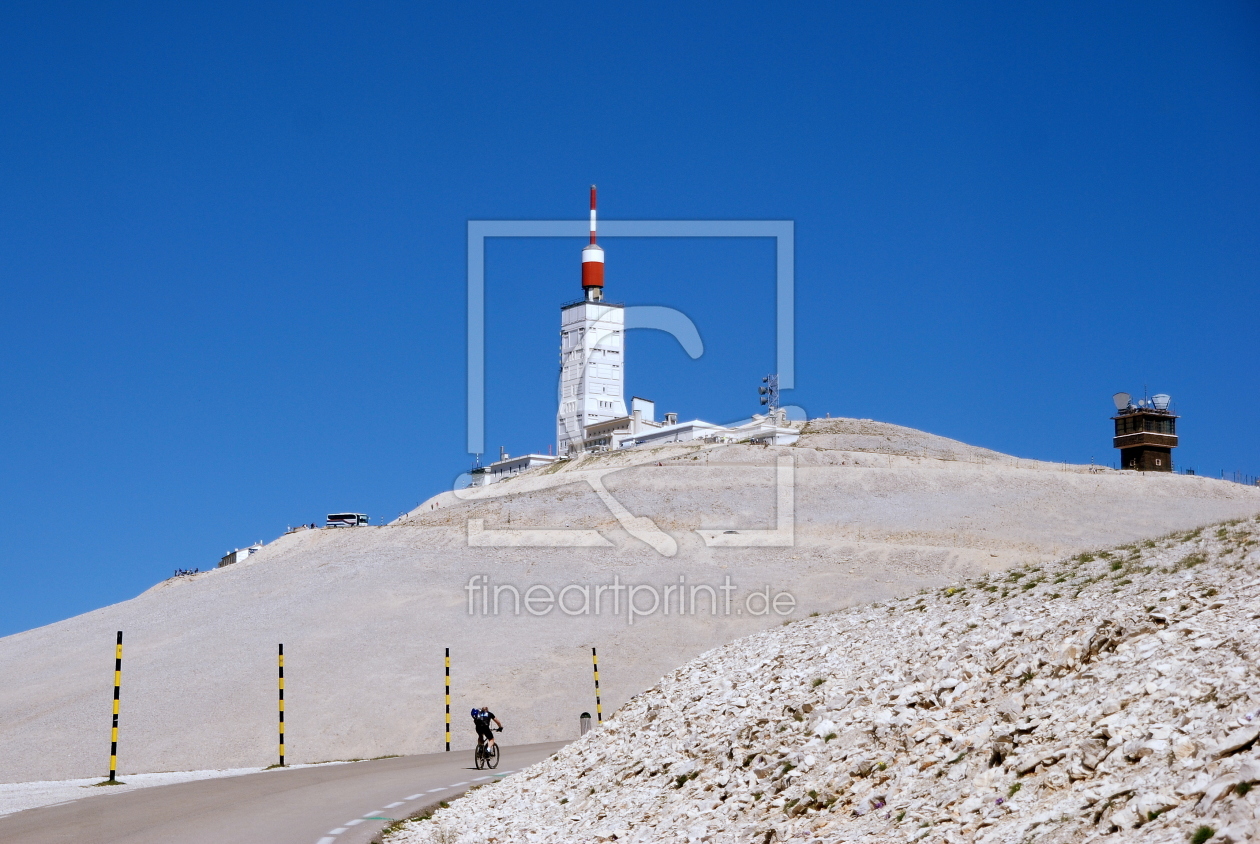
(482, 717)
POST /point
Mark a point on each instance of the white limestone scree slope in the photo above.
(1109, 697)
(365, 613)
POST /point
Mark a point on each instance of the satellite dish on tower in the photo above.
(1161, 401)
(1121, 400)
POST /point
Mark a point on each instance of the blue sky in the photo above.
(232, 241)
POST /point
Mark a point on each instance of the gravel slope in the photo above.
(366, 613)
(1112, 694)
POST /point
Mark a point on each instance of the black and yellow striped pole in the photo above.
(282, 705)
(113, 735)
(448, 700)
(599, 710)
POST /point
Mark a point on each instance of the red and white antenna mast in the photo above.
(593, 263)
(592, 213)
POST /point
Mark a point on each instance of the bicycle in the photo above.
(485, 756)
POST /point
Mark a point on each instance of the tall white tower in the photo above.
(592, 355)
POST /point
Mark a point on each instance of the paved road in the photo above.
(326, 804)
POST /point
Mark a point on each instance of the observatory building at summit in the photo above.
(1146, 432)
(592, 360)
(592, 413)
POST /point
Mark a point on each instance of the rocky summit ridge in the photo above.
(1110, 696)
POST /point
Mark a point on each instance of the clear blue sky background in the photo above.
(232, 241)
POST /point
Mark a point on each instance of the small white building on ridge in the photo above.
(507, 466)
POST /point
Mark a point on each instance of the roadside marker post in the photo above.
(448, 700)
(599, 710)
(113, 736)
(282, 705)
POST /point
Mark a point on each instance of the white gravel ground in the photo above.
(1109, 697)
(365, 613)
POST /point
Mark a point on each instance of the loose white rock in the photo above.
(1058, 704)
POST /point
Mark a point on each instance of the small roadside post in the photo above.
(113, 735)
(282, 705)
(599, 710)
(447, 699)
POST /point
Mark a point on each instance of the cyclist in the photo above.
(481, 720)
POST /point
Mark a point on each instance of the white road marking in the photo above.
(332, 833)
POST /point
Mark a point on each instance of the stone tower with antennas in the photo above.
(592, 355)
(1146, 432)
